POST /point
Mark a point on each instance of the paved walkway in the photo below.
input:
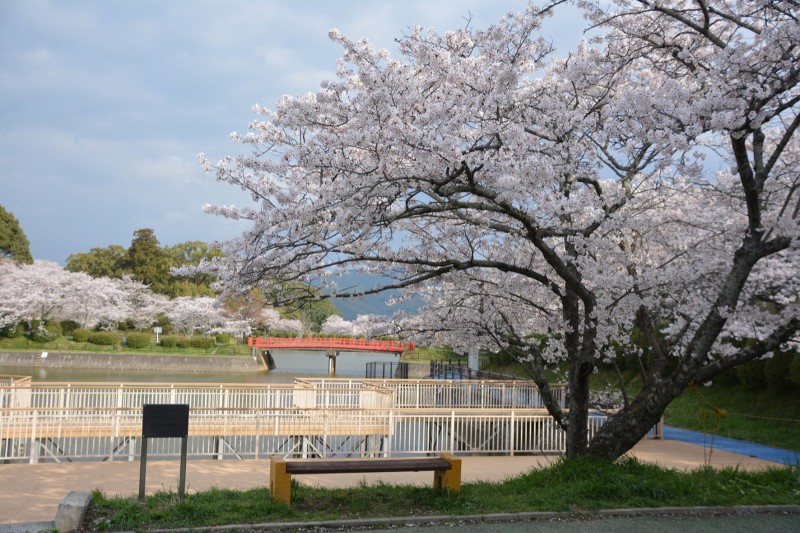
(718, 442)
(32, 492)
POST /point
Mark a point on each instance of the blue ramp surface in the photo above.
(751, 449)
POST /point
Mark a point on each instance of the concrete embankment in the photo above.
(123, 362)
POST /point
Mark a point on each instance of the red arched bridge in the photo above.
(328, 343)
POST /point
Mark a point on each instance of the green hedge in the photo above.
(81, 335)
(104, 338)
(137, 340)
(224, 338)
(68, 326)
(168, 341)
(203, 343)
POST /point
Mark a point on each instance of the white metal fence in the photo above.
(455, 394)
(307, 393)
(31, 435)
(312, 417)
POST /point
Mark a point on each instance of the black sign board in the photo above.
(165, 420)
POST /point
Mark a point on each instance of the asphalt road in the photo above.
(753, 523)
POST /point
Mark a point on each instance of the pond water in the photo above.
(290, 364)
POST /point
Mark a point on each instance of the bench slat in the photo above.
(359, 466)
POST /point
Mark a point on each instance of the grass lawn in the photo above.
(762, 416)
(568, 485)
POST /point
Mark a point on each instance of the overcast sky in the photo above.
(105, 104)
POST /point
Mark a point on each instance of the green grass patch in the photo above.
(567, 485)
(64, 344)
(425, 353)
(763, 416)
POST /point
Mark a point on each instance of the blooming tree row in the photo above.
(45, 291)
(369, 326)
(549, 205)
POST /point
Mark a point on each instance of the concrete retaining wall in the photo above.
(122, 362)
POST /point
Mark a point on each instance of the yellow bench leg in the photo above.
(280, 482)
(449, 479)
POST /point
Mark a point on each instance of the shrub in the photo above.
(751, 374)
(224, 338)
(138, 340)
(68, 326)
(12, 331)
(46, 332)
(80, 335)
(168, 341)
(776, 371)
(203, 343)
(104, 338)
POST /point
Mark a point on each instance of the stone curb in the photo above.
(498, 517)
(71, 511)
(435, 519)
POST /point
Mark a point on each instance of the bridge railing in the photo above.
(322, 343)
(54, 435)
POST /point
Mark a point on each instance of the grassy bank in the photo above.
(764, 416)
(568, 485)
(23, 344)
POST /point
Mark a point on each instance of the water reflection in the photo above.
(290, 365)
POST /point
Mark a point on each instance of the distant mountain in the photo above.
(372, 304)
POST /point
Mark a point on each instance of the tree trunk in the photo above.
(578, 416)
(628, 426)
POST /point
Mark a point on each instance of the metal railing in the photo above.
(305, 392)
(455, 394)
(460, 370)
(335, 343)
(324, 416)
(36, 435)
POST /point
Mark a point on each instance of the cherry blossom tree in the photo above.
(43, 291)
(551, 205)
(192, 315)
(271, 320)
(336, 325)
(369, 326)
(32, 292)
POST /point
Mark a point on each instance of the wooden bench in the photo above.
(446, 471)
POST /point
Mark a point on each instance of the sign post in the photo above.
(164, 421)
(157, 330)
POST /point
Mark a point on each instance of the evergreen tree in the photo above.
(13, 242)
(106, 262)
(147, 262)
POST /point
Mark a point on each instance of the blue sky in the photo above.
(104, 105)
